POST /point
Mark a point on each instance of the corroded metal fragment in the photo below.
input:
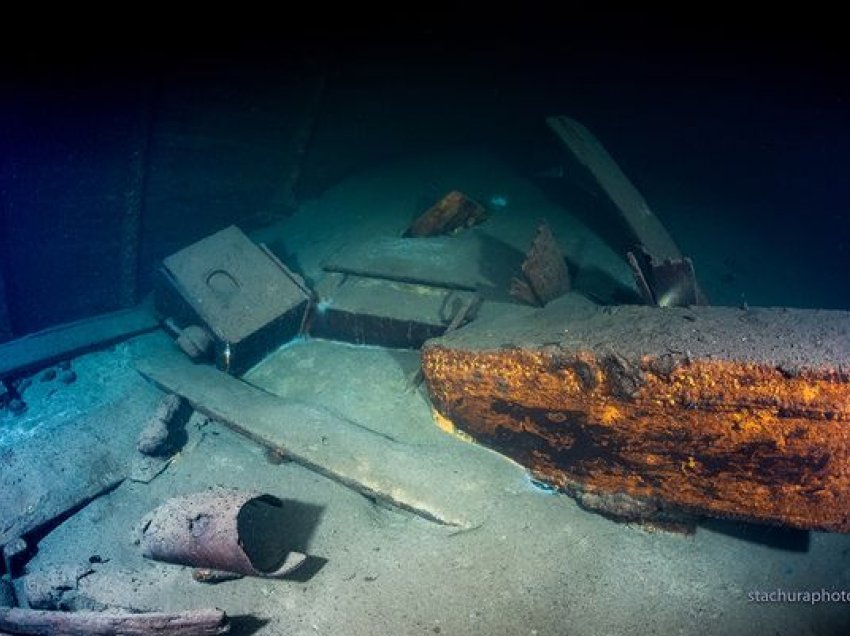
(221, 529)
(544, 270)
(752, 423)
(453, 212)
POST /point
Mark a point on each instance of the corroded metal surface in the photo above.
(545, 275)
(454, 211)
(229, 530)
(762, 435)
(247, 300)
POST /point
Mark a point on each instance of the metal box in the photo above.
(246, 298)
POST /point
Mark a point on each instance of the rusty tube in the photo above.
(230, 530)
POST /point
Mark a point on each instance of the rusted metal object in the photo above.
(465, 314)
(591, 155)
(670, 274)
(454, 211)
(669, 282)
(229, 530)
(246, 301)
(709, 411)
(544, 270)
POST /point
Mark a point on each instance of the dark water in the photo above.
(737, 133)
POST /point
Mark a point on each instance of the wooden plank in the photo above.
(448, 482)
(73, 339)
(381, 312)
(708, 410)
(633, 208)
(456, 262)
(201, 622)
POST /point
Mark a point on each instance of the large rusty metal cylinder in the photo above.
(228, 530)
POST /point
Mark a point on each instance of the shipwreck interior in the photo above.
(486, 324)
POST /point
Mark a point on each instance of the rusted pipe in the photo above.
(230, 530)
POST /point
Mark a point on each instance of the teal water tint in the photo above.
(315, 136)
(738, 139)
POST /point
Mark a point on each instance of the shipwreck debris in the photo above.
(213, 577)
(39, 350)
(670, 275)
(248, 302)
(382, 312)
(158, 433)
(221, 529)
(644, 289)
(668, 282)
(195, 342)
(447, 483)
(622, 507)
(465, 314)
(399, 292)
(200, 622)
(442, 261)
(545, 274)
(692, 410)
(453, 212)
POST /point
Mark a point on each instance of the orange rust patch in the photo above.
(715, 437)
(610, 414)
(453, 212)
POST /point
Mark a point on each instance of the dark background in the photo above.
(191, 122)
